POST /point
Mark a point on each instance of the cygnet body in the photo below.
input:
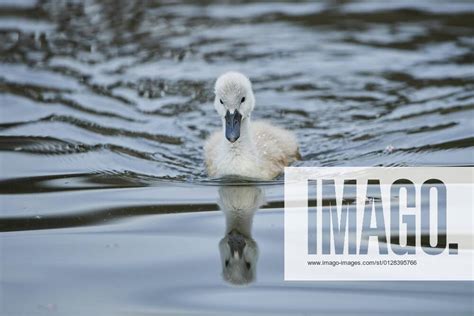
(244, 148)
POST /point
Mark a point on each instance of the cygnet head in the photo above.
(234, 102)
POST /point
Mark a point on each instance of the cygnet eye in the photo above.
(221, 101)
(247, 264)
(243, 100)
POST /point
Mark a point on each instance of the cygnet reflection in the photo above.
(238, 250)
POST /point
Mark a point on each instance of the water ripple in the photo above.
(132, 83)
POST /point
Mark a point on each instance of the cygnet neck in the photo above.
(240, 220)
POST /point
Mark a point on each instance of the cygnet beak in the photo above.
(232, 126)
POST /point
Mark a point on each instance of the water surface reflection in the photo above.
(238, 249)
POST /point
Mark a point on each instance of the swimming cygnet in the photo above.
(244, 148)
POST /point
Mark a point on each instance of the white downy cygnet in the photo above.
(244, 148)
(238, 250)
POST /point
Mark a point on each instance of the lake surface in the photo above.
(105, 206)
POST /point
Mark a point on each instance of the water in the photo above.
(104, 106)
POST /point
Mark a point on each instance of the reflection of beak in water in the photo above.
(236, 243)
(239, 252)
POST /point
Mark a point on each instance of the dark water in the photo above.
(104, 106)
